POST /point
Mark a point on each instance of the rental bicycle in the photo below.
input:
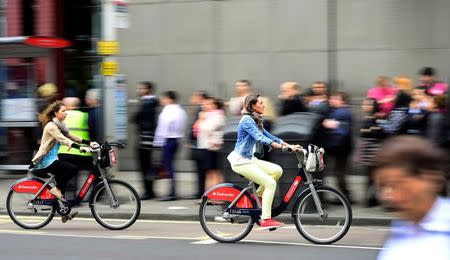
(114, 204)
(322, 214)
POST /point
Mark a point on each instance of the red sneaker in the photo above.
(270, 223)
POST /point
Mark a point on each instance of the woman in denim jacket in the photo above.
(250, 136)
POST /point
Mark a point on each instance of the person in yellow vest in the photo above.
(77, 123)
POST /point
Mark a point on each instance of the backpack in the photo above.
(314, 159)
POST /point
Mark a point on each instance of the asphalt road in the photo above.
(83, 238)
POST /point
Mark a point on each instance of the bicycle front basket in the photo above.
(107, 157)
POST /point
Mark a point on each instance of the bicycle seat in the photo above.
(41, 173)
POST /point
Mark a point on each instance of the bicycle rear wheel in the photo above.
(120, 216)
(26, 214)
(329, 227)
(222, 227)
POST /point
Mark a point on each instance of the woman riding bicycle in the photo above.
(54, 134)
(250, 137)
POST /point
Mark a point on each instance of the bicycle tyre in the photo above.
(106, 220)
(16, 219)
(209, 230)
(302, 204)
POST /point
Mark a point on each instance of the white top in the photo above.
(171, 124)
(210, 135)
(236, 159)
(430, 239)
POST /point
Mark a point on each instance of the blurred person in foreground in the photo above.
(145, 120)
(170, 129)
(290, 99)
(410, 172)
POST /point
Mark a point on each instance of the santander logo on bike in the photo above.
(32, 187)
(223, 194)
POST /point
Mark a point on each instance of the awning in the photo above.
(29, 46)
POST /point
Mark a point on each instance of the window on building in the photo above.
(2, 18)
(28, 15)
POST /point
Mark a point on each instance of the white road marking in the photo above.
(22, 232)
(311, 245)
(205, 242)
(176, 207)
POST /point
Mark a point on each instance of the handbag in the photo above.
(314, 160)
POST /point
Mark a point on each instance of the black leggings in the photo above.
(63, 172)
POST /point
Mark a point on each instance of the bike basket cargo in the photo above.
(107, 157)
(314, 159)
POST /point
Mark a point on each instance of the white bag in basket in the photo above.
(314, 160)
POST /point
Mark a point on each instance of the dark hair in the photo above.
(248, 82)
(49, 112)
(342, 94)
(250, 100)
(148, 85)
(171, 94)
(376, 106)
(218, 103)
(427, 71)
(412, 153)
(203, 94)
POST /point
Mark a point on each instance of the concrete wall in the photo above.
(189, 45)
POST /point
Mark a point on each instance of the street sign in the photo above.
(121, 20)
(109, 68)
(108, 47)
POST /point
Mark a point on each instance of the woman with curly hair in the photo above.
(54, 134)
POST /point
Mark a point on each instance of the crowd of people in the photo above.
(390, 108)
(400, 107)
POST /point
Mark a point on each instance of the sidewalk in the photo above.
(184, 209)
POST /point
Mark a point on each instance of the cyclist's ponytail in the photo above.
(49, 112)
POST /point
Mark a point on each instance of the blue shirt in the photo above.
(248, 134)
(429, 239)
(49, 158)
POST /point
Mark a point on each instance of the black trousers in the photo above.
(198, 155)
(82, 163)
(63, 172)
(340, 158)
(145, 164)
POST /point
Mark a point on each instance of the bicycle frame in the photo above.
(46, 198)
(300, 178)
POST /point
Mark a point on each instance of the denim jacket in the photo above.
(248, 134)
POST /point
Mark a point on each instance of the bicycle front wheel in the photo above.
(222, 227)
(25, 213)
(326, 228)
(117, 210)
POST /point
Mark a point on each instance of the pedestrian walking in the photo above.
(169, 131)
(145, 120)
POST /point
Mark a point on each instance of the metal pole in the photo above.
(108, 34)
